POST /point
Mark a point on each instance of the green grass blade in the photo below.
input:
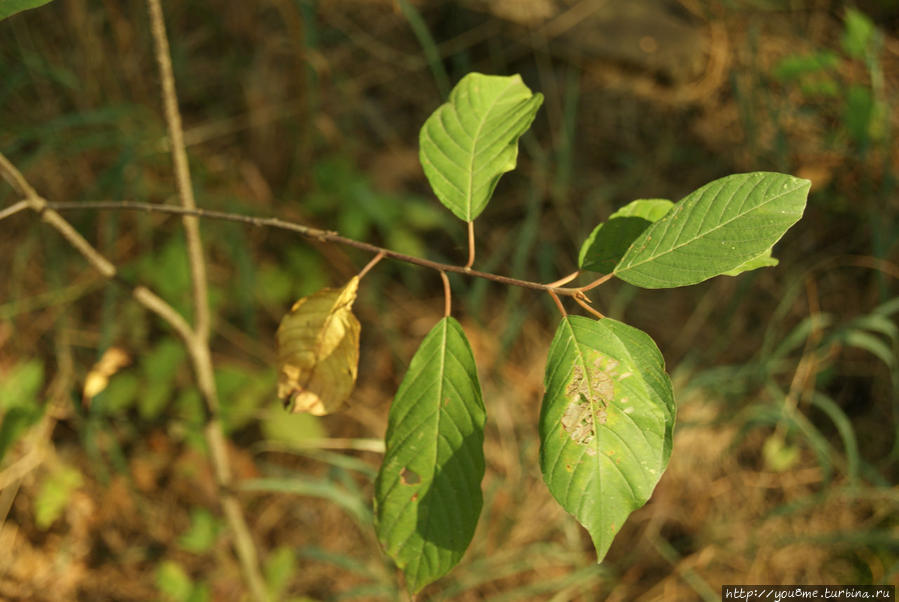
(428, 45)
(313, 487)
(844, 426)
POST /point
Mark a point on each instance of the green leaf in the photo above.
(291, 429)
(428, 491)
(160, 368)
(762, 261)
(13, 424)
(779, 455)
(54, 494)
(472, 140)
(279, 567)
(795, 67)
(714, 230)
(608, 242)
(10, 7)
(203, 531)
(20, 386)
(118, 395)
(858, 34)
(606, 423)
(173, 581)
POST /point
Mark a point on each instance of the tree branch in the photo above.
(321, 236)
(13, 209)
(198, 344)
(182, 170)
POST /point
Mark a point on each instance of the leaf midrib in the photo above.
(705, 233)
(474, 143)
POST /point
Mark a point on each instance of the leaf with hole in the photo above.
(318, 351)
(468, 143)
(715, 230)
(608, 242)
(428, 491)
(606, 423)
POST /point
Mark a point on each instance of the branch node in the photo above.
(583, 304)
(558, 301)
(374, 261)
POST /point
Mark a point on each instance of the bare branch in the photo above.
(182, 169)
(16, 179)
(318, 235)
(13, 209)
(595, 283)
(558, 301)
(368, 266)
(198, 344)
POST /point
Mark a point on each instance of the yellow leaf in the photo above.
(318, 351)
(113, 360)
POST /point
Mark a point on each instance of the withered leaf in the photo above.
(113, 360)
(318, 351)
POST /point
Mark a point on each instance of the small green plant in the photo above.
(607, 418)
(821, 75)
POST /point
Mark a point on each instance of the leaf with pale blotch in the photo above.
(318, 351)
(606, 423)
(428, 491)
(472, 140)
(608, 242)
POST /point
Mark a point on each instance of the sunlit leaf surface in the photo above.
(715, 230)
(606, 423)
(428, 492)
(472, 140)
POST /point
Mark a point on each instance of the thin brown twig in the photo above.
(564, 279)
(596, 283)
(142, 295)
(318, 235)
(181, 168)
(198, 343)
(13, 209)
(368, 266)
(471, 247)
(16, 179)
(447, 296)
(580, 301)
(558, 301)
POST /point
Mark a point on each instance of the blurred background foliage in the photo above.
(786, 456)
